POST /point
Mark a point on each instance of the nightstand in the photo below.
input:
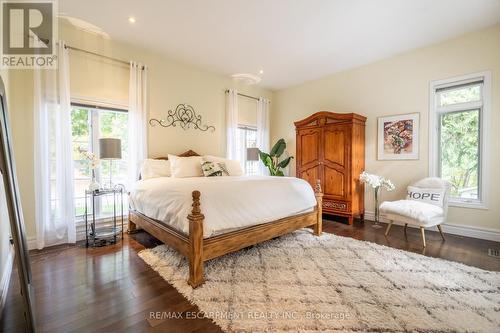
(99, 235)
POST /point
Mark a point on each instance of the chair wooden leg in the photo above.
(406, 227)
(441, 231)
(422, 230)
(388, 227)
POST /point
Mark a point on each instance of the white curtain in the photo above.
(54, 197)
(263, 130)
(232, 124)
(137, 130)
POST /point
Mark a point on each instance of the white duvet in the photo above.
(228, 203)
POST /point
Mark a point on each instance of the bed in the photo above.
(207, 217)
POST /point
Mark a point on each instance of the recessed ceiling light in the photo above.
(131, 19)
(261, 71)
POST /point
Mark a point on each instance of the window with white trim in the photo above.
(458, 130)
(88, 124)
(246, 137)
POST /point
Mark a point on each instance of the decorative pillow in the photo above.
(182, 167)
(233, 167)
(151, 168)
(214, 169)
(433, 196)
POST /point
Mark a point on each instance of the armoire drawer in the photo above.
(341, 206)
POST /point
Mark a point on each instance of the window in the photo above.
(247, 138)
(458, 130)
(88, 125)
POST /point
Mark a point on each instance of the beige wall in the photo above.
(396, 86)
(170, 83)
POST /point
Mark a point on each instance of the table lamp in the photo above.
(110, 149)
(252, 154)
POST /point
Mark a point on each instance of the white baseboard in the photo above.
(451, 228)
(5, 281)
(80, 231)
(31, 241)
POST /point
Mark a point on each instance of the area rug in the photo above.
(303, 283)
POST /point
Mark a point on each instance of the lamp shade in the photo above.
(110, 149)
(252, 154)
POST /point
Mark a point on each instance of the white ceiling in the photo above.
(291, 40)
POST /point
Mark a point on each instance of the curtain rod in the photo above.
(243, 95)
(98, 55)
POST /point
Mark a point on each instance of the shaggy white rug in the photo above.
(300, 282)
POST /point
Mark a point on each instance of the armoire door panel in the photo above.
(334, 183)
(310, 146)
(311, 175)
(334, 143)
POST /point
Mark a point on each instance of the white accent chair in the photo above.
(417, 212)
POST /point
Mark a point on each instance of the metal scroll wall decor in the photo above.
(184, 116)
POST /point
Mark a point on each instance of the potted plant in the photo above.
(272, 160)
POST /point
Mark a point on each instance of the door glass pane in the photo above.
(247, 138)
(81, 132)
(109, 124)
(113, 124)
(459, 150)
(240, 142)
(463, 94)
(252, 167)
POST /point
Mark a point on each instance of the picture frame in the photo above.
(398, 137)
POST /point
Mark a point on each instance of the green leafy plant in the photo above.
(272, 160)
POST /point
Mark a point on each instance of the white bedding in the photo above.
(228, 203)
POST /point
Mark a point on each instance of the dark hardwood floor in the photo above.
(110, 289)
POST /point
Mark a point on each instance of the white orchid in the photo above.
(389, 186)
(376, 181)
(91, 157)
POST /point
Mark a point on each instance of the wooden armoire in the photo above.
(331, 148)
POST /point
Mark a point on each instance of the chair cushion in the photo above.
(433, 196)
(414, 212)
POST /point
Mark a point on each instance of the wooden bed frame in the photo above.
(198, 250)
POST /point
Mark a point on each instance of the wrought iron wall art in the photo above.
(184, 116)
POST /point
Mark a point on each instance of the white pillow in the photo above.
(151, 168)
(433, 196)
(214, 169)
(233, 167)
(182, 167)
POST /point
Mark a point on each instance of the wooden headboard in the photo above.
(188, 153)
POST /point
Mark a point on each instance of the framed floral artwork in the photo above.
(398, 137)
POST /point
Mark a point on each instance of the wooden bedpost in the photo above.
(196, 243)
(318, 227)
(132, 227)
